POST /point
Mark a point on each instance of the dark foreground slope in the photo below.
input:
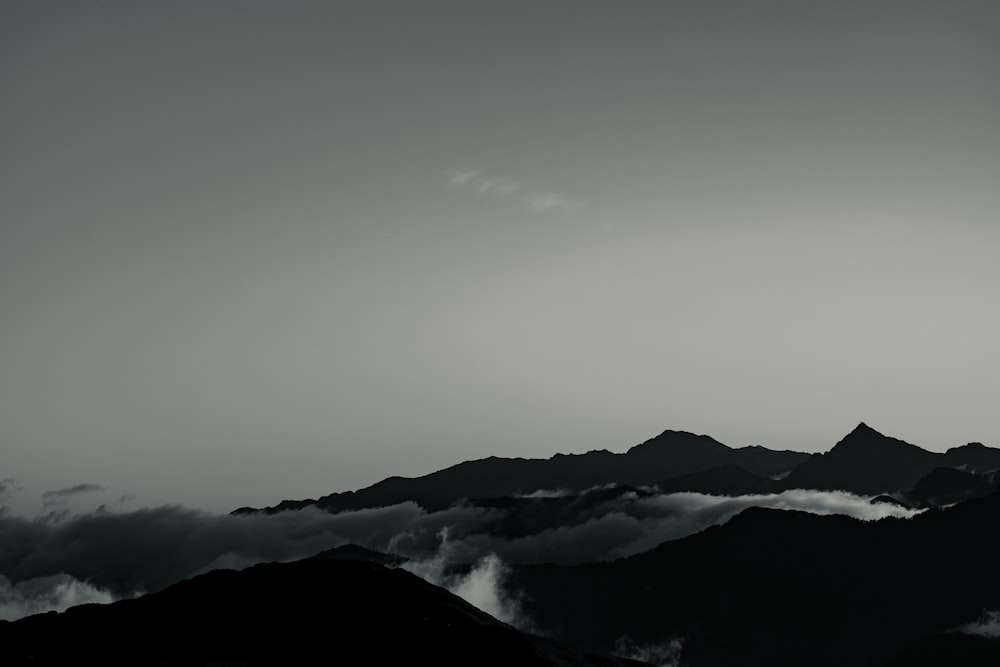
(669, 454)
(313, 611)
(778, 588)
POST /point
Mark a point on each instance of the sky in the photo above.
(258, 250)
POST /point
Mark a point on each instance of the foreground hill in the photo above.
(314, 611)
(775, 588)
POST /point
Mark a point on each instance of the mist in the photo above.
(57, 592)
(988, 625)
(53, 562)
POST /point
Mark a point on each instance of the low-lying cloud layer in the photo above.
(987, 626)
(665, 654)
(48, 564)
(57, 592)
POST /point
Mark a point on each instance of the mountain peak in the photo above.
(681, 439)
(863, 434)
(682, 445)
(864, 429)
(864, 441)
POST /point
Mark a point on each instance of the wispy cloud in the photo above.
(56, 499)
(552, 201)
(71, 491)
(987, 626)
(57, 592)
(494, 186)
(538, 201)
(458, 178)
(8, 486)
(665, 654)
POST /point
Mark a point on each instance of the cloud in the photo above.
(663, 654)
(55, 501)
(149, 549)
(493, 186)
(551, 201)
(123, 554)
(42, 594)
(676, 515)
(538, 201)
(988, 625)
(458, 178)
(72, 491)
(482, 585)
(483, 588)
(580, 532)
(546, 493)
(8, 487)
(505, 188)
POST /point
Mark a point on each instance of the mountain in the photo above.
(773, 587)
(725, 480)
(945, 486)
(527, 516)
(974, 457)
(670, 454)
(864, 462)
(355, 552)
(317, 610)
(867, 462)
(767, 587)
(950, 648)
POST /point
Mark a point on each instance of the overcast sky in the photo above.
(263, 250)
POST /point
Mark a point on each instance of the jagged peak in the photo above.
(863, 433)
(864, 437)
(863, 428)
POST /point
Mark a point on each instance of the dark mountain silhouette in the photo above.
(973, 457)
(890, 500)
(867, 462)
(524, 516)
(356, 552)
(313, 611)
(670, 454)
(864, 462)
(769, 587)
(950, 648)
(774, 587)
(725, 480)
(945, 486)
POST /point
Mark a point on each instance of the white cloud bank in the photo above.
(96, 557)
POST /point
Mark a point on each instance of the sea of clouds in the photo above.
(54, 562)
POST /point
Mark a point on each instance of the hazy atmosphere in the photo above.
(260, 250)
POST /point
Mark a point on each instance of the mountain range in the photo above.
(681, 552)
(863, 462)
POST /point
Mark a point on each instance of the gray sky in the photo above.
(263, 250)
